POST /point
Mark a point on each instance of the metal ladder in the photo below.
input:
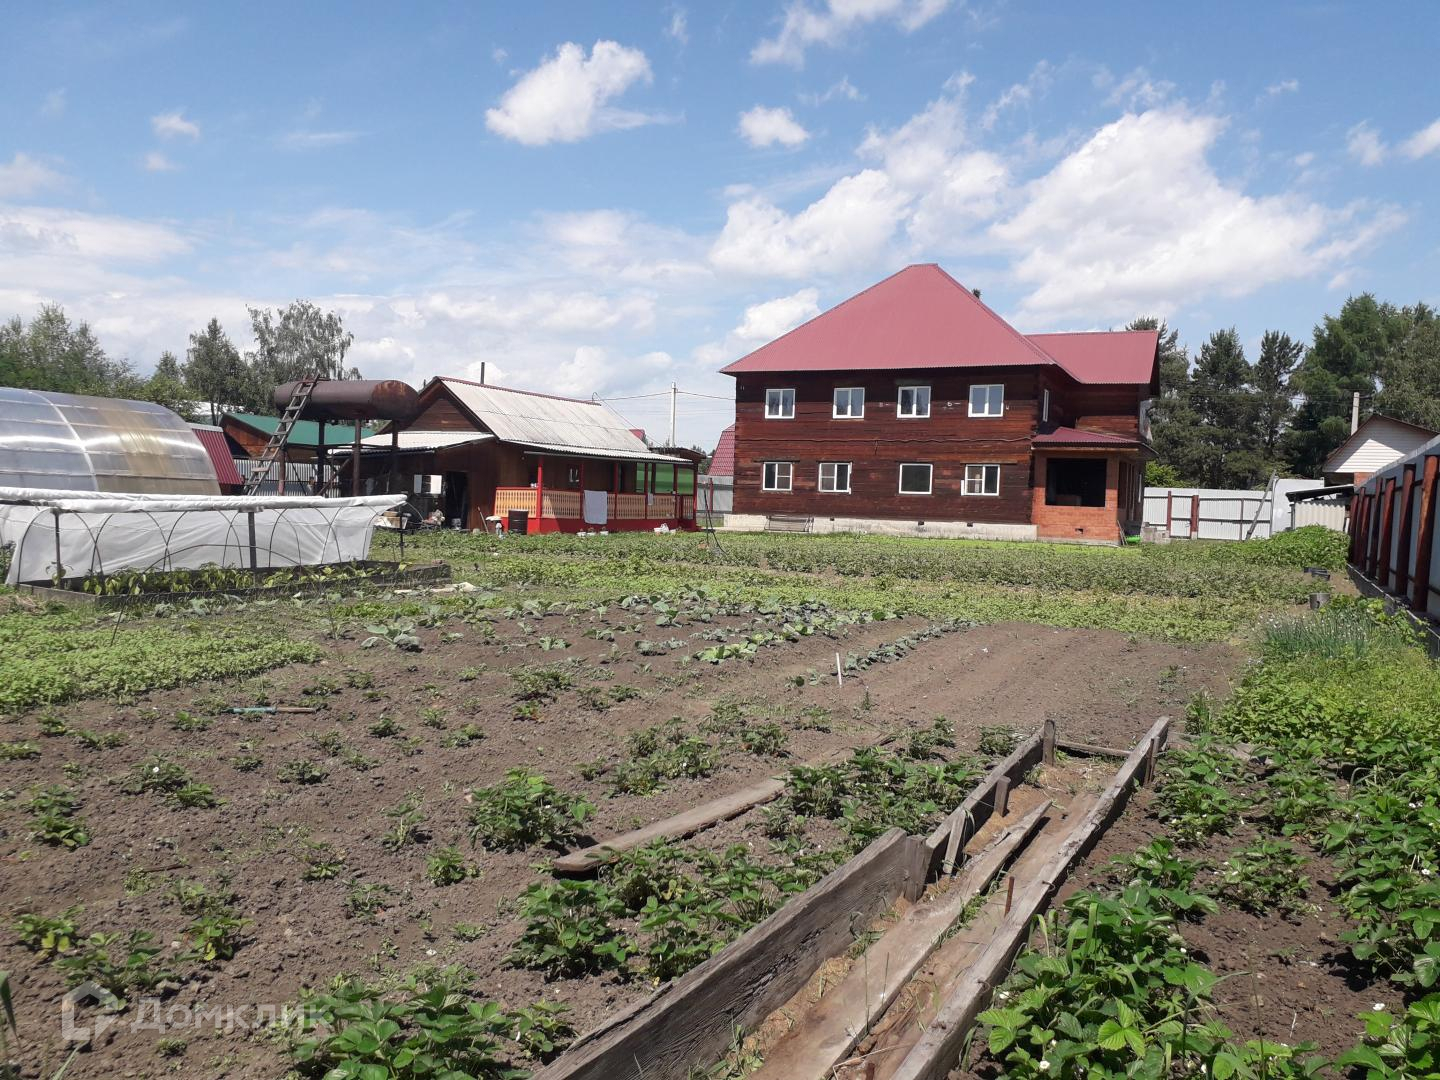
(281, 435)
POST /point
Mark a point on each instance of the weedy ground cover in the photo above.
(1345, 768)
(1181, 591)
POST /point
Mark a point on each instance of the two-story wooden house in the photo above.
(914, 408)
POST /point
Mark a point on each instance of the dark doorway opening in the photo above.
(457, 498)
(1075, 482)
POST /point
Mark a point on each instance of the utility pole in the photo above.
(673, 393)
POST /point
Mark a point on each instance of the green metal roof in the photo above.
(307, 432)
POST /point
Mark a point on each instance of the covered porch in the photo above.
(575, 491)
(1087, 486)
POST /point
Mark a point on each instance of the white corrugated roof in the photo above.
(643, 454)
(550, 422)
(422, 440)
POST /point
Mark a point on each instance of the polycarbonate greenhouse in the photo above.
(72, 442)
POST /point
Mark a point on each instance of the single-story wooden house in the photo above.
(914, 408)
(1374, 445)
(476, 451)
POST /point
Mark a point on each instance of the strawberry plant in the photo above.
(49, 935)
(525, 810)
(1265, 876)
(569, 930)
(448, 867)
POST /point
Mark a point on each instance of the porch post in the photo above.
(539, 489)
(1425, 536)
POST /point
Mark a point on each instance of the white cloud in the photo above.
(1137, 219)
(829, 24)
(768, 320)
(53, 107)
(1365, 145)
(25, 176)
(1304, 160)
(155, 161)
(677, 30)
(849, 227)
(173, 125)
(1137, 90)
(70, 236)
(499, 55)
(316, 140)
(842, 89)
(763, 126)
(1038, 82)
(566, 98)
(1423, 142)
(1284, 86)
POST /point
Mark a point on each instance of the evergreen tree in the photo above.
(1174, 363)
(214, 371)
(1274, 400)
(1344, 359)
(1410, 373)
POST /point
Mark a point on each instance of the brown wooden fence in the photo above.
(1394, 542)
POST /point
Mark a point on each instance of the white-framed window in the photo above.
(913, 401)
(835, 476)
(1045, 407)
(779, 476)
(915, 478)
(987, 399)
(982, 479)
(849, 403)
(779, 404)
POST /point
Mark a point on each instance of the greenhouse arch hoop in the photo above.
(58, 535)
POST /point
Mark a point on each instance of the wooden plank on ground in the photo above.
(693, 1019)
(939, 1047)
(690, 822)
(1091, 750)
(840, 1019)
(902, 1028)
(949, 837)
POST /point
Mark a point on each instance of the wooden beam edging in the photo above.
(680, 825)
(948, 838)
(689, 822)
(935, 1055)
(842, 1018)
(693, 1018)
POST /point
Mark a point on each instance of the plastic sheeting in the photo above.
(83, 534)
(82, 443)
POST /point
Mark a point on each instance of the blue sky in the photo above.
(608, 198)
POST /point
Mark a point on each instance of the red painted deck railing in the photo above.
(568, 505)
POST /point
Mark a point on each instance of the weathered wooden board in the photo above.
(692, 1019)
(840, 1019)
(938, 1049)
(686, 824)
(949, 837)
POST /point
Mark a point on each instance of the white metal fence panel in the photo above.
(1329, 511)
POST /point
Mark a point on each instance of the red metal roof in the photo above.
(215, 445)
(1069, 436)
(918, 318)
(924, 318)
(1104, 356)
(722, 462)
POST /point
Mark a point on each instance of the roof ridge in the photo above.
(820, 315)
(516, 390)
(988, 310)
(1078, 333)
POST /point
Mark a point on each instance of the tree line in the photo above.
(1224, 421)
(52, 353)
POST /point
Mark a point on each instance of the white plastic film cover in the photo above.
(104, 534)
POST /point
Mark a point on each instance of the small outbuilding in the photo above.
(1373, 446)
(537, 462)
